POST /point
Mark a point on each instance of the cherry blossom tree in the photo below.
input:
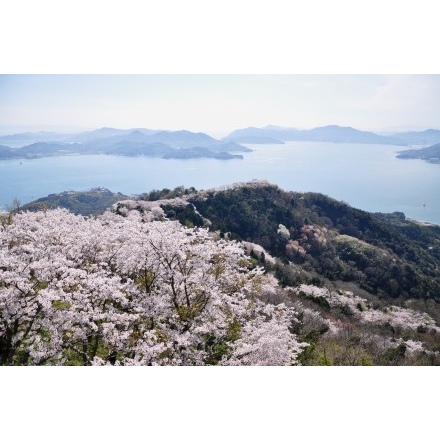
(131, 288)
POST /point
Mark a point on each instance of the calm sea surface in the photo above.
(368, 177)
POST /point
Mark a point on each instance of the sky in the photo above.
(218, 103)
(215, 67)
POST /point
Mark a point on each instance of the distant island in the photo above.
(184, 144)
(430, 154)
(330, 133)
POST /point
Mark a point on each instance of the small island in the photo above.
(429, 154)
(199, 152)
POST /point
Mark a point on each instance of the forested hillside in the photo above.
(388, 256)
(241, 275)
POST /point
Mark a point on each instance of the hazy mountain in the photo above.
(335, 133)
(100, 144)
(183, 139)
(426, 137)
(144, 141)
(330, 133)
(111, 136)
(101, 133)
(134, 143)
(269, 134)
(22, 139)
(136, 136)
(8, 152)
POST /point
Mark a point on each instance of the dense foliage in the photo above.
(133, 289)
(336, 241)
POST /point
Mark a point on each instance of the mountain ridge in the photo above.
(329, 133)
(271, 132)
(182, 144)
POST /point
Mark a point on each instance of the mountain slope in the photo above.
(364, 287)
(335, 240)
(385, 254)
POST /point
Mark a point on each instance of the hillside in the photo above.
(372, 261)
(363, 288)
(331, 238)
(359, 280)
(388, 255)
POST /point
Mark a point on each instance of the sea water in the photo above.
(366, 176)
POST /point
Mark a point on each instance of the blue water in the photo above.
(368, 177)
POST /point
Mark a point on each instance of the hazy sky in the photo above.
(218, 104)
